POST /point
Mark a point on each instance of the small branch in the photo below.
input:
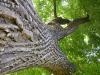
(55, 12)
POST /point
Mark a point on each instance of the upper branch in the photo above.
(72, 26)
(59, 32)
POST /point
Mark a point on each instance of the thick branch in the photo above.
(72, 26)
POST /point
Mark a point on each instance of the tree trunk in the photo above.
(25, 41)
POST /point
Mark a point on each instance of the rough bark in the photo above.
(25, 41)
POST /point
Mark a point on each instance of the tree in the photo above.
(25, 41)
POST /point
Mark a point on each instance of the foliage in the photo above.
(83, 46)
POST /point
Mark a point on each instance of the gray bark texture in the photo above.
(25, 41)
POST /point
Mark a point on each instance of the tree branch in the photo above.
(58, 32)
(72, 26)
